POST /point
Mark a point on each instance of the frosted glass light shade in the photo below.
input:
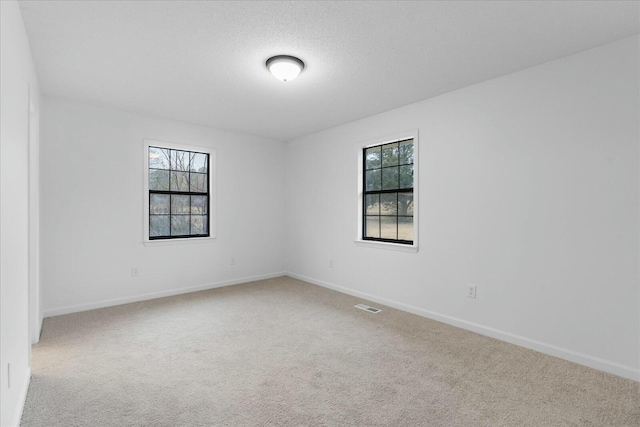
(285, 67)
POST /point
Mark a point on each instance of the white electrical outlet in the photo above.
(135, 272)
(330, 263)
(471, 291)
(233, 261)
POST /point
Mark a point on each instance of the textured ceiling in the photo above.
(203, 62)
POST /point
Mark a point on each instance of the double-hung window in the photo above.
(388, 195)
(178, 190)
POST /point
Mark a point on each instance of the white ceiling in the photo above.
(203, 62)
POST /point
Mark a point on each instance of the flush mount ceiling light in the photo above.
(285, 67)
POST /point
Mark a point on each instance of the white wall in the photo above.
(18, 241)
(92, 209)
(529, 190)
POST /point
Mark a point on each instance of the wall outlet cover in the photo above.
(471, 291)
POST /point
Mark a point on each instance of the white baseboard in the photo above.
(153, 295)
(552, 350)
(22, 399)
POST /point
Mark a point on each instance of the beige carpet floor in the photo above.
(282, 352)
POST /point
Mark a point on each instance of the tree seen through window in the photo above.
(388, 192)
(178, 193)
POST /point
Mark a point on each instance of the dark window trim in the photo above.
(366, 193)
(180, 193)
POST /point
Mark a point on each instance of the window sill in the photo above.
(386, 245)
(174, 242)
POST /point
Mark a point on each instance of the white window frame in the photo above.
(359, 241)
(212, 193)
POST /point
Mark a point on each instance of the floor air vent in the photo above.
(367, 308)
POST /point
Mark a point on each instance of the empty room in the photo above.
(320, 213)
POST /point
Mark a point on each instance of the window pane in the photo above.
(158, 180)
(390, 178)
(199, 204)
(405, 228)
(158, 225)
(405, 152)
(372, 179)
(179, 225)
(179, 160)
(372, 205)
(198, 182)
(179, 204)
(159, 204)
(389, 227)
(389, 173)
(388, 204)
(198, 162)
(405, 204)
(178, 192)
(158, 158)
(198, 224)
(372, 157)
(179, 181)
(390, 154)
(406, 176)
(372, 226)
